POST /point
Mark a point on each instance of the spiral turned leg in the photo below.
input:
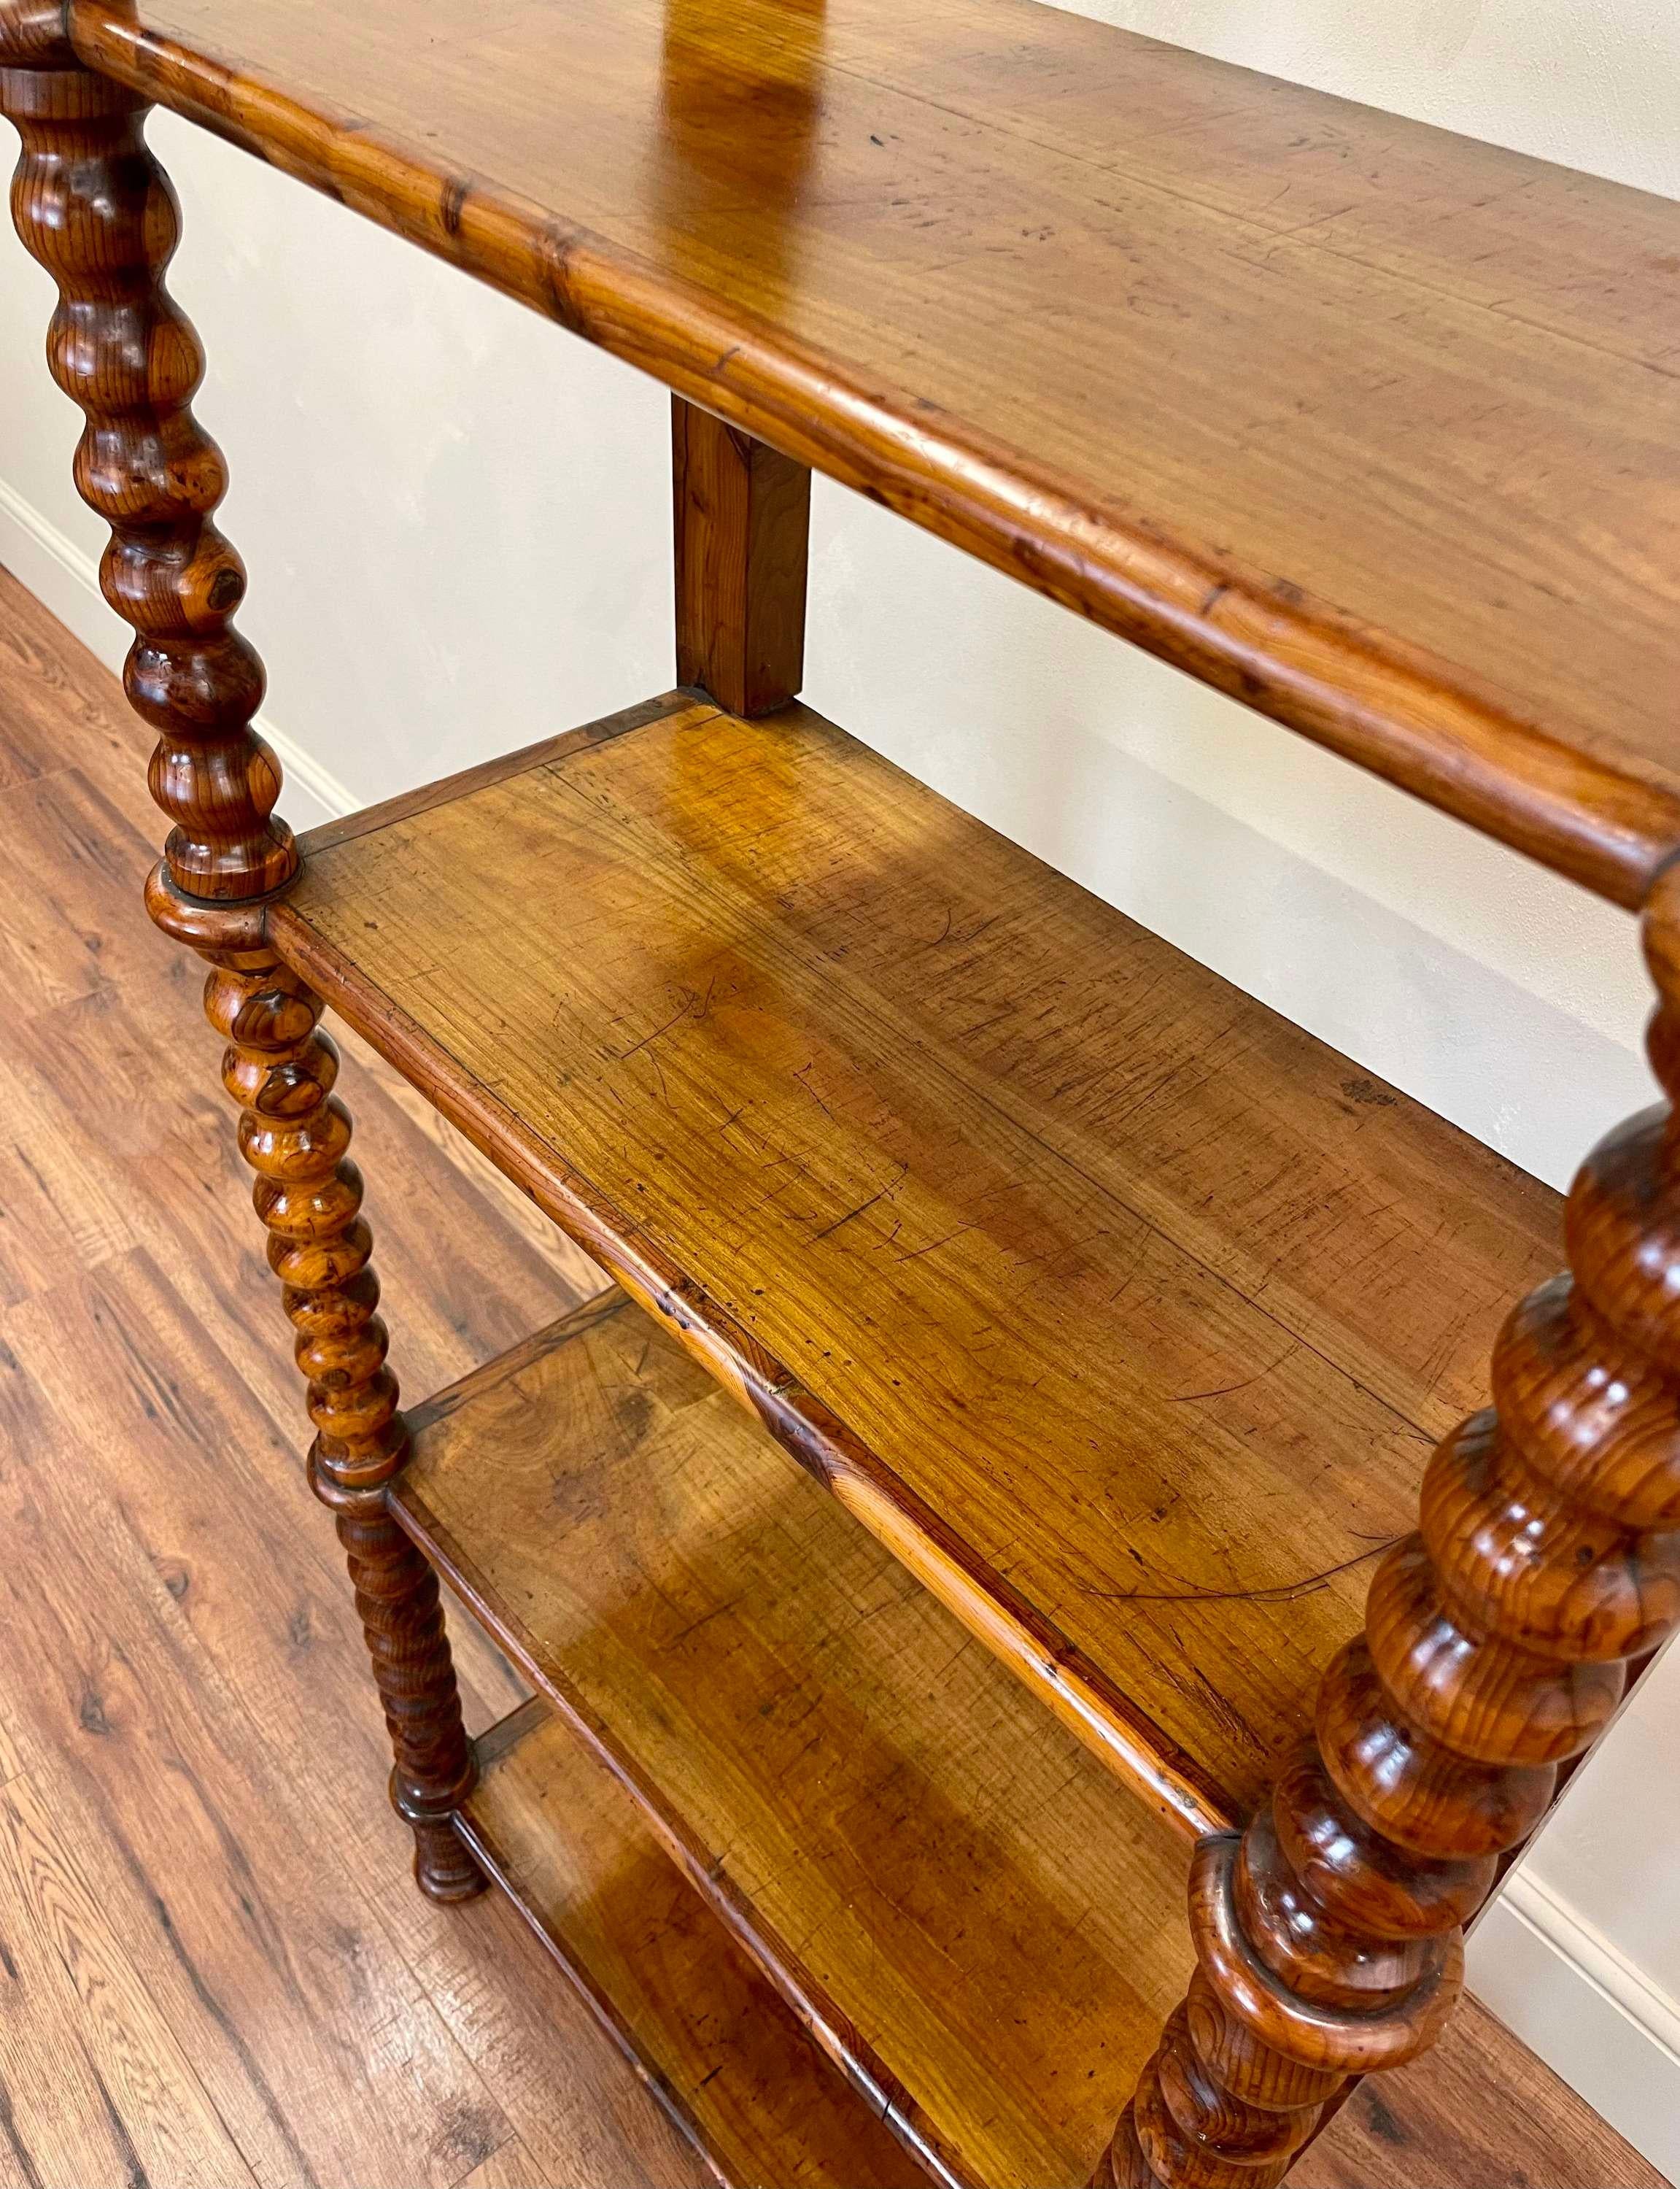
(94, 207)
(295, 1134)
(1496, 1642)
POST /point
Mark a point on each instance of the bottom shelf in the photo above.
(732, 2066)
(892, 1845)
(720, 2051)
(978, 1923)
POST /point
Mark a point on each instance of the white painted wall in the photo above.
(457, 523)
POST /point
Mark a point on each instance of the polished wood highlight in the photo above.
(716, 2046)
(960, 1902)
(1122, 1310)
(97, 211)
(1497, 1645)
(742, 515)
(1373, 426)
(94, 207)
(424, 2044)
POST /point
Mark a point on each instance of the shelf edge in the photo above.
(494, 1741)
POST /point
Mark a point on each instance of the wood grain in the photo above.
(295, 1134)
(186, 1722)
(94, 206)
(697, 2018)
(904, 1838)
(741, 518)
(83, 2046)
(1126, 1311)
(1327, 1938)
(1372, 426)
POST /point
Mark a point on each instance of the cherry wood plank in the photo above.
(1123, 1311)
(956, 1898)
(1376, 427)
(714, 2043)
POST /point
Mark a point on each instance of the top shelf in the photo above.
(1375, 426)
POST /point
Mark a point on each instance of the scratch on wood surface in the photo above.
(829, 1230)
(1277, 1592)
(1227, 1390)
(688, 1004)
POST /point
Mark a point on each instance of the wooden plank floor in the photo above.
(213, 1967)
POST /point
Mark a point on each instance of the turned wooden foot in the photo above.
(1497, 1646)
(397, 1596)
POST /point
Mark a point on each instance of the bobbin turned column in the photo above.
(1329, 1937)
(94, 207)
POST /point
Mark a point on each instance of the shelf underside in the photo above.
(977, 1922)
(1122, 1310)
(1375, 426)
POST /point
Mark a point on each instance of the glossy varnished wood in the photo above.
(723, 2055)
(94, 206)
(1374, 427)
(719, 2048)
(1497, 1637)
(219, 1964)
(1123, 1310)
(218, 1971)
(960, 1902)
(295, 1134)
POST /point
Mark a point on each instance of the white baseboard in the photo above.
(1597, 2020)
(64, 576)
(1593, 2017)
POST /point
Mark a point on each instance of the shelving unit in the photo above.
(945, 1549)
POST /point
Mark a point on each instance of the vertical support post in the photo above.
(1497, 1644)
(295, 1134)
(94, 207)
(743, 534)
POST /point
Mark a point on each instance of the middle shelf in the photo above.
(970, 1915)
(1121, 1311)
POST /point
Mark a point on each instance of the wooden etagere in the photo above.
(1025, 1477)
